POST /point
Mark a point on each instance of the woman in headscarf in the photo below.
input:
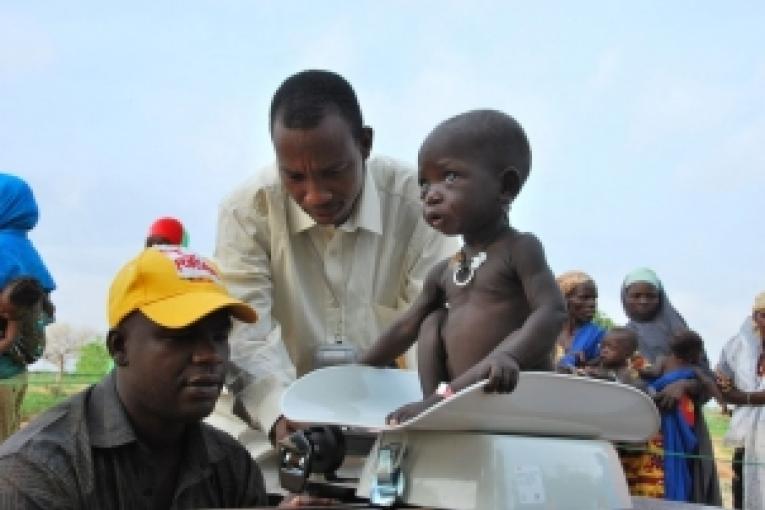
(655, 321)
(741, 374)
(579, 341)
(18, 259)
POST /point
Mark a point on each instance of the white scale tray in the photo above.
(543, 404)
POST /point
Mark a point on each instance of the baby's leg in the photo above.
(431, 355)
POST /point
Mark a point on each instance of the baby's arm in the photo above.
(528, 347)
(403, 332)
(11, 330)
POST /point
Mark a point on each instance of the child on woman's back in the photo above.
(684, 362)
(678, 438)
(494, 308)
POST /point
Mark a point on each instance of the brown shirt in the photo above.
(83, 454)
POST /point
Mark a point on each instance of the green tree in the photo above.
(94, 359)
(603, 320)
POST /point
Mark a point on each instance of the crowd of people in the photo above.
(657, 353)
(331, 249)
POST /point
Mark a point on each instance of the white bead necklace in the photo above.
(465, 271)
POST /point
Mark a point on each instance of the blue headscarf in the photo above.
(18, 215)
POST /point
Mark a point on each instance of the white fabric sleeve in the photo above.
(261, 367)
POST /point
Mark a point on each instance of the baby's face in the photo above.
(458, 194)
(612, 352)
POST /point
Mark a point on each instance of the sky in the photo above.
(646, 121)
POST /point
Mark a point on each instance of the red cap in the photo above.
(169, 228)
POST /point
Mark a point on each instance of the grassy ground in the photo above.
(718, 425)
(43, 391)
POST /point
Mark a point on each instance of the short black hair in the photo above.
(303, 99)
(25, 292)
(494, 134)
(687, 345)
(627, 338)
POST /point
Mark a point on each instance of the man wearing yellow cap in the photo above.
(135, 439)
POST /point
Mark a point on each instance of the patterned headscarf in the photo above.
(18, 215)
(654, 335)
(570, 279)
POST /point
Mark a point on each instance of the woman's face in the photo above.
(583, 302)
(642, 301)
(759, 320)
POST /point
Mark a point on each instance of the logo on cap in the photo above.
(189, 265)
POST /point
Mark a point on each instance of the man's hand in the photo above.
(502, 372)
(283, 428)
(305, 500)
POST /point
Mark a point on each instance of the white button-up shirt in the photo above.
(313, 284)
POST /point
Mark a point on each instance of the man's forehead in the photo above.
(325, 116)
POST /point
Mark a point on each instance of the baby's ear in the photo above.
(510, 181)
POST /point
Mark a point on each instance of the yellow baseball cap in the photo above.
(173, 287)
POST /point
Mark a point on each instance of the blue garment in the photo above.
(18, 215)
(679, 440)
(9, 368)
(586, 340)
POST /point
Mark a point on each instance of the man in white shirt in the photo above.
(328, 245)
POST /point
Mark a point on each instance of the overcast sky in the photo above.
(646, 120)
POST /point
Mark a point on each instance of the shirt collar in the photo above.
(108, 423)
(366, 214)
(109, 426)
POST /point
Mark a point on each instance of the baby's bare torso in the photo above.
(484, 312)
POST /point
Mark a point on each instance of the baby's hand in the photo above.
(409, 411)
(502, 372)
(637, 362)
(724, 382)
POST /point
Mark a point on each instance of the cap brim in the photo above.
(185, 309)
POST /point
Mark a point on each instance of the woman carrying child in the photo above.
(579, 341)
(24, 284)
(741, 374)
(656, 322)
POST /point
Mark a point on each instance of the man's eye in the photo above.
(450, 177)
(294, 177)
(220, 337)
(172, 338)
